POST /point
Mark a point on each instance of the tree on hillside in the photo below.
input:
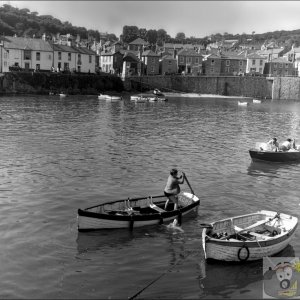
(151, 36)
(161, 36)
(130, 33)
(180, 36)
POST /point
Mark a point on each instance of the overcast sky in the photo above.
(194, 18)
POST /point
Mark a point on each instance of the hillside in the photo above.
(23, 22)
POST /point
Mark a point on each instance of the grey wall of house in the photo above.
(221, 85)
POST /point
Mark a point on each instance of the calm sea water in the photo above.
(57, 155)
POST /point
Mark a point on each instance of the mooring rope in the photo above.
(161, 275)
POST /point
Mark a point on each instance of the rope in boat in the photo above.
(161, 275)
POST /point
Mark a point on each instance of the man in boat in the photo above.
(287, 145)
(273, 144)
(172, 188)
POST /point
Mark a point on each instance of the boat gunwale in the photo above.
(138, 217)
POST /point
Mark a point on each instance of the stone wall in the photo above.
(221, 85)
(286, 88)
(43, 83)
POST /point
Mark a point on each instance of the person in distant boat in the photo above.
(287, 145)
(273, 144)
(172, 188)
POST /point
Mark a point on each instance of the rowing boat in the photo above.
(248, 237)
(135, 212)
(272, 156)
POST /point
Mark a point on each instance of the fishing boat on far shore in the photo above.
(248, 237)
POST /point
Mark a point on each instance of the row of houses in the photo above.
(196, 60)
(141, 58)
(32, 54)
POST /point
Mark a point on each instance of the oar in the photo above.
(188, 184)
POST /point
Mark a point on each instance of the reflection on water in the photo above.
(58, 155)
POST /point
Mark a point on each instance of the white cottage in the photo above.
(25, 53)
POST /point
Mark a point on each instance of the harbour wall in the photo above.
(281, 88)
(43, 83)
(247, 86)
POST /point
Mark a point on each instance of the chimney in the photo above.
(44, 37)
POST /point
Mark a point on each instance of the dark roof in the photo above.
(188, 52)
(139, 41)
(129, 56)
(26, 43)
(149, 53)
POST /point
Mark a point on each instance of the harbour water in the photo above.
(57, 155)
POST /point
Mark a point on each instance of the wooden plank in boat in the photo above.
(155, 207)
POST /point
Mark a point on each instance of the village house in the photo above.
(86, 60)
(65, 58)
(150, 63)
(131, 65)
(189, 61)
(233, 64)
(168, 65)
(271, 54)
(138, 45)
(25, 53)
(111, 62)
(280, 67)
(255, 64)
(211, 64)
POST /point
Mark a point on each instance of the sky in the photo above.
(193, 18)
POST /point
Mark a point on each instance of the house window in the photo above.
(27, 54)
(38, 56)
(79, 59)
(286, 66)
(197, 60)
(152, 69)
(253, 62)
(280, 65)
(227, 70)
(181, 59)
(241, 62)
(38, 67)
(6, 54)
(90, 59)
(275, 65)
(170, 62)
(188, 60)
(212, 62)
(5, 64)
(69, 56)
(59, 55)
(261, 62)
(50, 56)
(227, 62)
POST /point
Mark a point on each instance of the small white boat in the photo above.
(62, 95)
(243, 103)
(102, 96)
(139, 98)
(248, 237)
(256, 101)
(113, 98)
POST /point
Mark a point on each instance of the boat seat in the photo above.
(154, 206)
(263, 236)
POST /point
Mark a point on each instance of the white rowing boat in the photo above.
(248, 237)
